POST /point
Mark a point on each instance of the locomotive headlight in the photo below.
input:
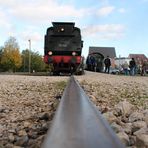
(73, 53)
(50, 53)
(62, 29)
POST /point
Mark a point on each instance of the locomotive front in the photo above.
(63, 47)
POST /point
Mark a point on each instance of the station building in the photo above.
(100, 53)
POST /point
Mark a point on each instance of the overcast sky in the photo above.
(122, 24)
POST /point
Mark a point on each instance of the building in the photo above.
(100, 53)
(104, 51)
(139, 58)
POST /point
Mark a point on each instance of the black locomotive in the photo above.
(63, 48)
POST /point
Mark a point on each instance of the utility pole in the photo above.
(24, 61)
(29, 56)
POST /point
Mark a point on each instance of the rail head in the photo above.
(78, 124)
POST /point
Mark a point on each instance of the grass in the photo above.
(60, 85)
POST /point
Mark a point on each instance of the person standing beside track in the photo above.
(93, 63)
(143, 68)
(88, 62)
(132, 66)
(107, 63)
(126, 68)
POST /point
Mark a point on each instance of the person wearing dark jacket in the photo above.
(107, 63)
(88, 62)
(132, 66)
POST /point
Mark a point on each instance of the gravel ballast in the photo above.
(28, 104)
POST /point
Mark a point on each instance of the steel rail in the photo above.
(78, 124)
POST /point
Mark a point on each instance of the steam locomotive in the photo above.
(63, 48)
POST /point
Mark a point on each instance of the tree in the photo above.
(37, 63)
(11, 57)
(1, 53)
(25, 61)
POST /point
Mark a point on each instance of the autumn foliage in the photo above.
(12, 60)
(11, 57)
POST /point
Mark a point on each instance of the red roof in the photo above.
(138, 57)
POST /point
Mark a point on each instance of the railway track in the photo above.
(78, 124)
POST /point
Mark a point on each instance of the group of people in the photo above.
(126, 67)
(129, 68)
(91, 63)
(132, 68)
